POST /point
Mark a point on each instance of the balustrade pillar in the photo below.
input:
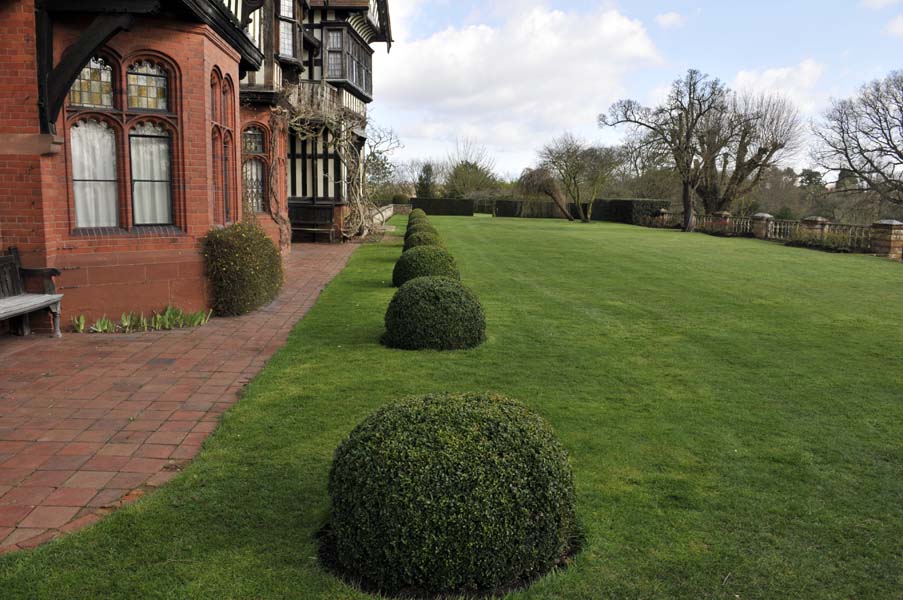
(761, 225)
(887, 239)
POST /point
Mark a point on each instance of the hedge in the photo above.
(630, 211)
(451, 494)
(244, 267)
(422, 239)
(459, 207)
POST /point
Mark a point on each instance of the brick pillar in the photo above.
(887, 239)
(663, 218)
(761, 225)
(815, 226)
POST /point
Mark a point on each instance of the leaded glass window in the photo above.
(93, 88)
(287, 9)
(147, 86)
(287, 38)
(253, 175)
(253, 141)
(151, 155)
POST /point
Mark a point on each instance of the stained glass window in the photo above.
(147, 86)
(94, 86)
(253, 173)
(253, 141)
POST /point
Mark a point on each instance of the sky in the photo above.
(510, 75)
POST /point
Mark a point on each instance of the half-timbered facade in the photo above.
(319, 61)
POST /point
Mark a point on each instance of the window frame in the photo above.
(263, 157)
(291, 21)
(356, 59)
(123, 119)
(170, 182)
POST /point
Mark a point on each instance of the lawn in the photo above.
(733, 410)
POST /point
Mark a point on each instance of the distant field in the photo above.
(733, 409)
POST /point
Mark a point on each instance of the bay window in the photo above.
(349, 59)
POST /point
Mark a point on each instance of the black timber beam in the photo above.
(74, 58)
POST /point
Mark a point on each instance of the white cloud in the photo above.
(514, 85)
(670, 20)
(895, 27)
(800, 83)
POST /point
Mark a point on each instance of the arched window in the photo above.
(94, 174)
(148, 86)
(151, 155)
(93, 88)
(227, 177)
(254, 171)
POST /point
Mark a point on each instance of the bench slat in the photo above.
(26, 303)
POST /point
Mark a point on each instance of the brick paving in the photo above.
(89, 422)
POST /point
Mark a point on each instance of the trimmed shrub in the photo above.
(434, 313)
(418, 212)
(420, 227)
(244, 267)
(451, 494)
(422, 239)
(424, 261)
(412, 221)
(630, 211)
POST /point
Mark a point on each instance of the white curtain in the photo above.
(94, 174)
(151, 177)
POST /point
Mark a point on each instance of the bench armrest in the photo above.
(46, 273)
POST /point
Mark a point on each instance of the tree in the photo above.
(580, 169)
(739, 144)
(426, 182)
(864, 136)
(811, 179)
(540, 181)
(467, 178)
(676, 125)
(380, 172)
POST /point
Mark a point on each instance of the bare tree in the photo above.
(581, 169)
(864, 135)
(739, 145)
(676, 125)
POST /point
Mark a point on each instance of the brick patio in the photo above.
(89, 423)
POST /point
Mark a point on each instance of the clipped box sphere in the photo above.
(434, 313)
(424, 261)
(422, 238)
(420, 228)
(418, 212)
(451, 494)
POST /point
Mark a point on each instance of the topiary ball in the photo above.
(451, 494)
(424, 261)
(422, 239)
(418, 212)
(420, 227)
(416, 222)
(435, 313)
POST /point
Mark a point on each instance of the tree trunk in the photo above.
(689, 217)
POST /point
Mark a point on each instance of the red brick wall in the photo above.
(124, 271)
(21, 222)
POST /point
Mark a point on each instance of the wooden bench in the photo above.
(315, 219)
(16, 303)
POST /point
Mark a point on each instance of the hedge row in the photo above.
(630, 211)
(454, 207)
(431, 309)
